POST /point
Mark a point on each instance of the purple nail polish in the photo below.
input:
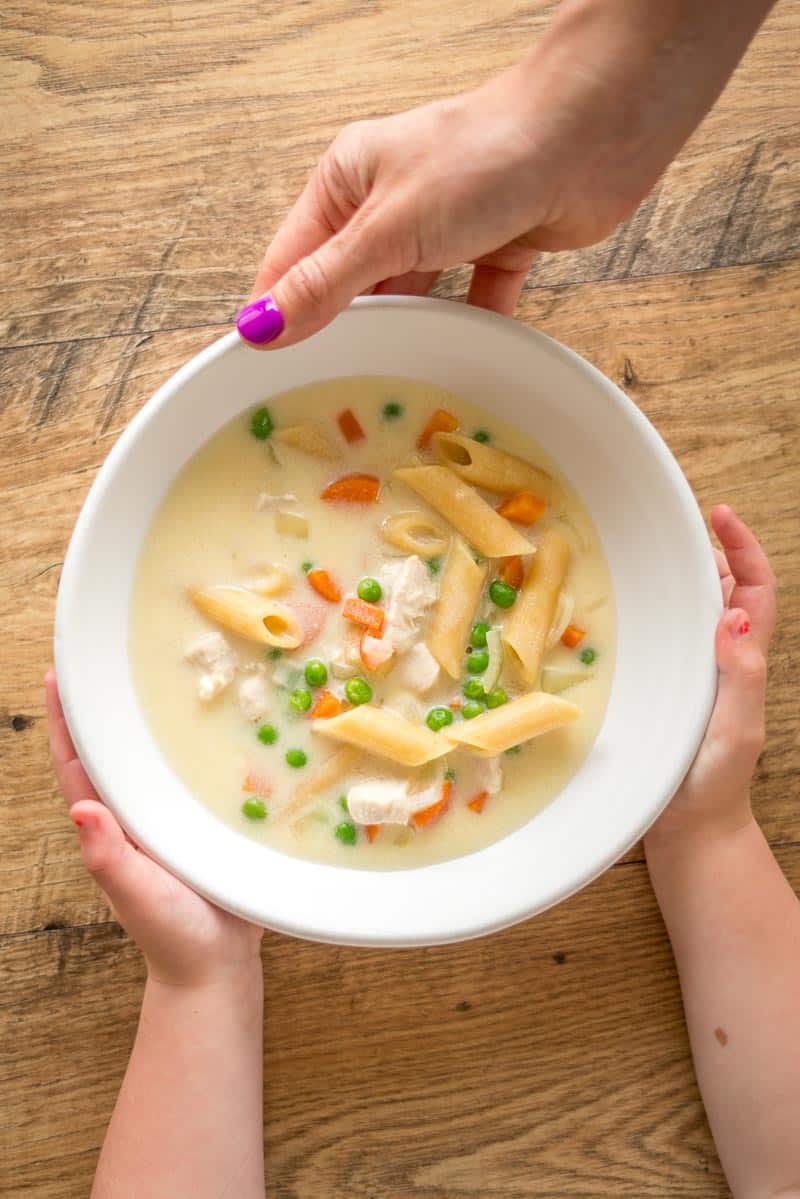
(261, 321)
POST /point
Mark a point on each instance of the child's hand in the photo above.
(716, 792)
(186, 941)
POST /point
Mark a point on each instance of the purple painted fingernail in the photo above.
(261, 321)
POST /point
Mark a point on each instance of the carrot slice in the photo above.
(524, 508)
(427, 815)
(512, 572)
(349, 424)
(455, 705)
(572, 636)
(477, 801)
(441, 421)
(372, 831)
(369, 616)
(352, 489)
(324, 585)
(326, 704)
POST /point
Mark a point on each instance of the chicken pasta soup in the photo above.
(372, 626)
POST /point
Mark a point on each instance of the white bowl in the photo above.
(667, 596)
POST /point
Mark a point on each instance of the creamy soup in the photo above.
(372, 625)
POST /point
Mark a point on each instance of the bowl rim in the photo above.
(511, 914)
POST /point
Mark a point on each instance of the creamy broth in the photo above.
(218, 526)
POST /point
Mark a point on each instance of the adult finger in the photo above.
(320, 285)
(497, 288)
(412, 283)
(306, 227)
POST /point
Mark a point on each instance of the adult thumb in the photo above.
(319, 286)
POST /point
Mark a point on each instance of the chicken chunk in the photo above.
(418, 669)
(216, 663)
(254, 695)
(412, 592)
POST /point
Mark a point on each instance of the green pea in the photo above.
(275, 653)
(369, 590)
(482, 435)
(296, 758)
(587, 656)
(316, 673)
(346, 832)
(478, 635)
(496, 698)
(437, 718)
(473, 689)
(502, 594)
(306, 567)
(261, 424)
(357, 691)
(477, 661)
(434, 565)
(515, 749)
(392, 410)
(268, 734)
(343, 803)
(450, 776)
(254, 808)
(300, 700)
(471, 709)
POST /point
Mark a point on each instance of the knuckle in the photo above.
(309, 284)
(754, 670)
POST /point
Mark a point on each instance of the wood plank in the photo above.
(547, 1061)
(150, 153)
(710, 357)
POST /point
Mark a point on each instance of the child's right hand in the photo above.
(715, 795)
(186, 941)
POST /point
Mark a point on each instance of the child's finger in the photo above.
(125, 875)
(748, 562)
(726, 579)
(737, 724)
(61, 746)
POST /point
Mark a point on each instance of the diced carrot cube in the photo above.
(352, 489)
(441, 421)
(572, 636)
(372, 831)
(427, 815)
(350, 426)
(512, 571)
(477, 801)
(524, 508)
(324, 585)
(369, 616)
(256, 784)
(326, 705)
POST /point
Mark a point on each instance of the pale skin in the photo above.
(550, 155)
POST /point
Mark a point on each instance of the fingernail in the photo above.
(260, 322)
(742, 628)
(82, 819)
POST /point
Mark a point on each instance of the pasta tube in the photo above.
(252, 616)
(307, 437)
(523, 718)
(386, 734)
(416, 533)
(484, 466)
(459, 595)
(466, 511)
(528, 624)
(269, 579)
(334, 768)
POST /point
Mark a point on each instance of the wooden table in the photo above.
(148, 149)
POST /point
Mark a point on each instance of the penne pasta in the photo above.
(386, 734)
(252, 616)
(416, 533)
(527, 627)
(563, 615)
(496, 471)
(307, 437)
(466, 511)
(268, 579)
(529, 716)
(459, 595)
(341, 762)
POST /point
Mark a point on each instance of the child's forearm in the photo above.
(734, 923)
(188, 1120)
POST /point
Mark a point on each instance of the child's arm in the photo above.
(188, 1120)
(733, 920)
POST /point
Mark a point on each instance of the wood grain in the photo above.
(148, 150)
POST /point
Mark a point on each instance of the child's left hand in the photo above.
(186, 941)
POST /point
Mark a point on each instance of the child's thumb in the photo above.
(739, 711)
(119, 869)
(319, 286)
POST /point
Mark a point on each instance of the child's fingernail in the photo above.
(742, 629)
(82, 820)
(260, 322)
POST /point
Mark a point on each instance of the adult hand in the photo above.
(186, 941)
